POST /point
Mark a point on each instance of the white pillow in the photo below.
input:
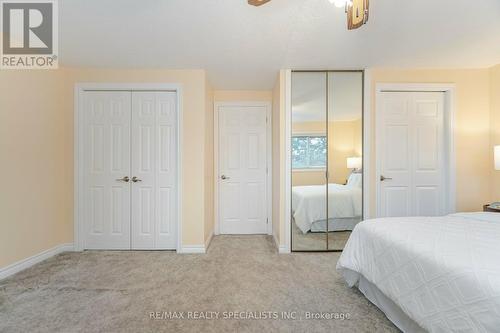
(355, 180)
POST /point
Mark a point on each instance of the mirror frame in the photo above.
(289, 138)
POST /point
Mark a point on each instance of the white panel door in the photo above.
(106, 170)
(411, 154)
(243, 169)
(154, 170)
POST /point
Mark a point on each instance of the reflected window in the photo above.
(309, 152)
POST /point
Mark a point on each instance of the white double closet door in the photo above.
(130, 170)
(411, 154)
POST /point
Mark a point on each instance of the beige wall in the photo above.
(37, 155)
(472, 128)
(278, 147)
(209, 162)
(36, 202)
(243, 95)
(495, 128)
(307, 177)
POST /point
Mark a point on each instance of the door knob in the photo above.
(135, 179)
(382, 178)
(224, 177)
(124, 179)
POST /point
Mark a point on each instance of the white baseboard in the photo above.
(28, 262)
(193, 249)
(197, 249)
(276, 243)
(208, 241)
(283, 250)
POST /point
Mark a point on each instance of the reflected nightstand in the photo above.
(487, 208)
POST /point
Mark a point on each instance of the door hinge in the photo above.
(266, 120)
(267, 221)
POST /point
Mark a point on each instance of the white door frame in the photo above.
(80, 89)
(449, 124)
(269, 180)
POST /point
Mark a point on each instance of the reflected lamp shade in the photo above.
(354, 162)
(497, 157)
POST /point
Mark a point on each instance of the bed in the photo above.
(435, 274)
(344, 206)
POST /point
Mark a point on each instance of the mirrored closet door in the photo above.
(326, 157)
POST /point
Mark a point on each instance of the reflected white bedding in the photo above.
(309, 203)
(443, 272)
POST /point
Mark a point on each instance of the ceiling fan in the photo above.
(357, 10)
(257, 2)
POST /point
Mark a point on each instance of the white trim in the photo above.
(209, 240)
(296, 134)
(269, 143)
(310, 170)
(269, 166)
(192, 249)
(276, 243)
(367, 145)
(80, 88)
(286, 248)
(35, 259)
(281, 248)
(449, 109)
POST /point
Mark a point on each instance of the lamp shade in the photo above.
(497, 157)
(354, 162)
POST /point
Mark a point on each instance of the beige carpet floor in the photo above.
(116, 292)
(316, 241)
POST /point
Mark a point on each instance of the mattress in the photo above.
(441, 272)
(340, 224)
(388, 307)
(309, 203)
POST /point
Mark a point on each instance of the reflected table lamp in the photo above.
(355, 163)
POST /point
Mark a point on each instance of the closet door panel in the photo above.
(106, 162)
(154, 170)
(309, 159)
(345, 150)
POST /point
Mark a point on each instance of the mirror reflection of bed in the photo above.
(309, 213)
(326, 136)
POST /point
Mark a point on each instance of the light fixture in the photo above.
(497, 157)
(354, 163)
(257, 2)
(339, 3)
(357, 11)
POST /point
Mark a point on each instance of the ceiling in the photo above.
(243, 47)
(345, 102)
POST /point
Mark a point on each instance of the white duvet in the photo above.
(443, 272)
(309, 203)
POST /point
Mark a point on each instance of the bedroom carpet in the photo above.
(117, 292)
(314, 241)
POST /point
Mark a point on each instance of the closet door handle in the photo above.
(135, 179)
(124, 179)
(382, 178)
